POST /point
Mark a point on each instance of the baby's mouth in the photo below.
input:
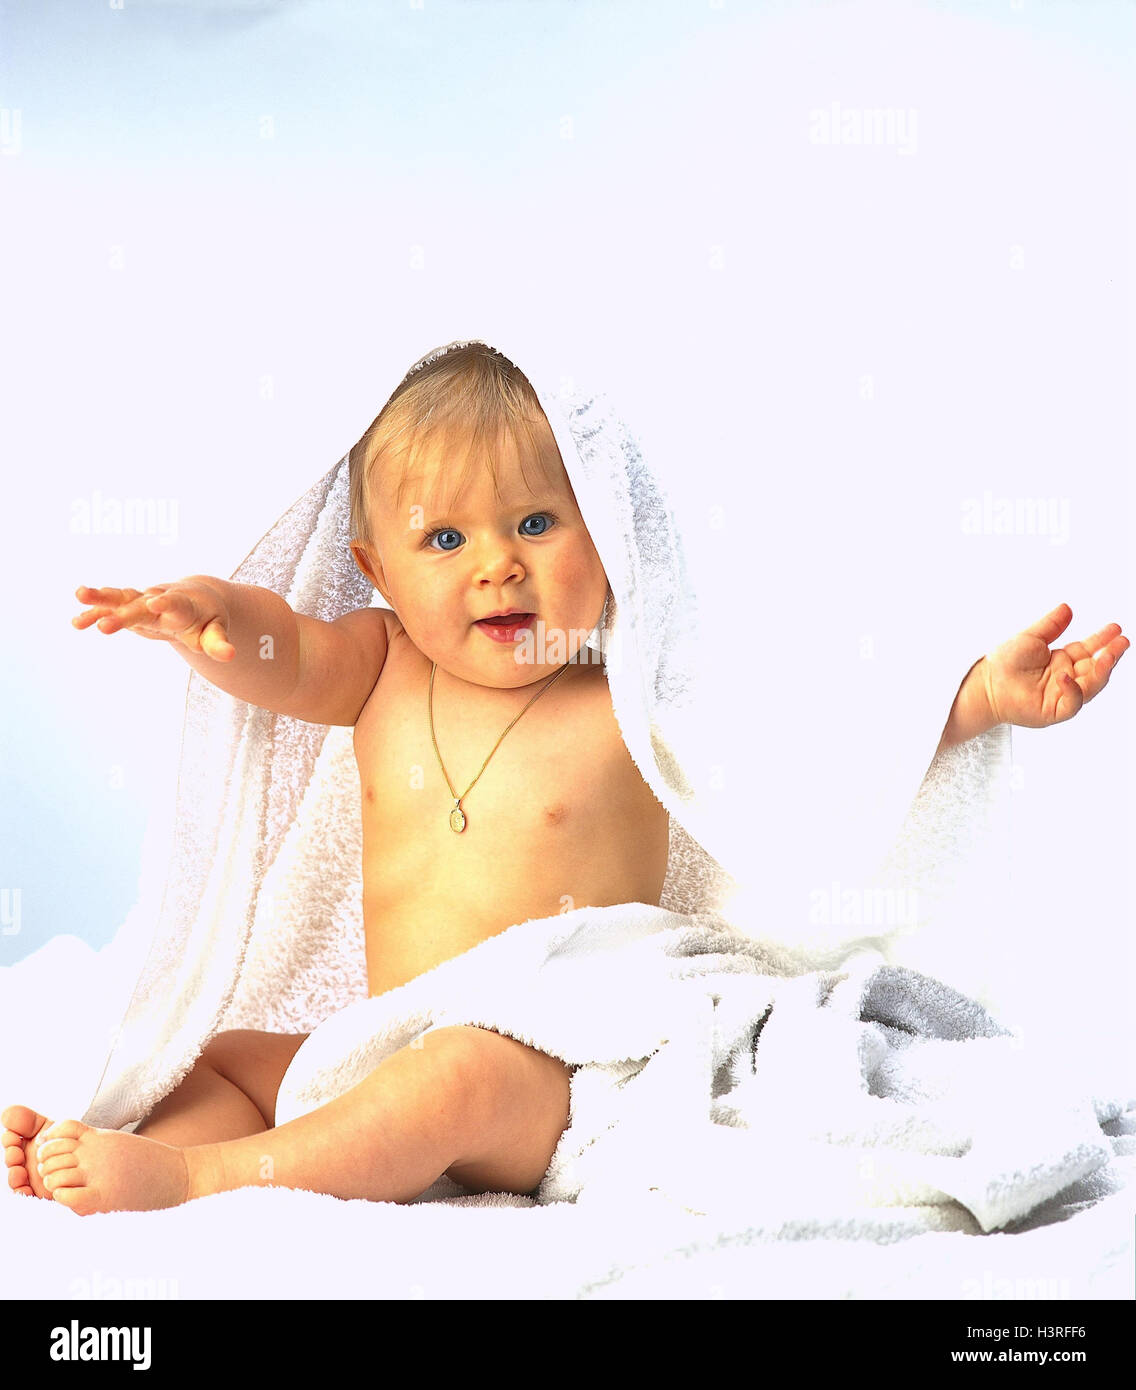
(505, 629)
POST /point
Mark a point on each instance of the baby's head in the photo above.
(461, 509)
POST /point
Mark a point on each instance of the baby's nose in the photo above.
(498, 562)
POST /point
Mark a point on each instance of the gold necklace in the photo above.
(457, 815)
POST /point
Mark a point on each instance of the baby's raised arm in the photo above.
(1023, 682)
(249, 642)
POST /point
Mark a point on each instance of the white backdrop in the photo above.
(857, 272)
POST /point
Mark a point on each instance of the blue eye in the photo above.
(450, 538)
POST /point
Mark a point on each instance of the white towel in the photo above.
(260, 918)
(706, 1081)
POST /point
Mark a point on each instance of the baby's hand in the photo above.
(187, 611)
(1028, 685)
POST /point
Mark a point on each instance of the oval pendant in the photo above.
(457, 820)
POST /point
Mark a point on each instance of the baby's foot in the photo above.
(91, 1170)
(22, 1128)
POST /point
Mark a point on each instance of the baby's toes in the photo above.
(16, 1161)
(62, 1129)
(58, 1146)
(56, 1178)
(57, 1163)
(22, 1127)
(22, 1118)
(80, 1199)
(58, 1159)
(14, 1153)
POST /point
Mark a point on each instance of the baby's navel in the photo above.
(555, 813)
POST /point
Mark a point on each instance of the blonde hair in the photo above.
(471, 397)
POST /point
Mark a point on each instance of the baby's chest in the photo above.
(547, 777)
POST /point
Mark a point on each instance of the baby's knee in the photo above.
(225, 1050)
(495, 1069)
(455, 1049)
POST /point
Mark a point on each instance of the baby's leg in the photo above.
(230, 1093)
(468, 1101)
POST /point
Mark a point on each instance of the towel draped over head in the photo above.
(260, 921)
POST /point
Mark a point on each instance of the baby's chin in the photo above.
(532, 655)
(503, 672)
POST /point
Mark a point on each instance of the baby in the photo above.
(528, 800)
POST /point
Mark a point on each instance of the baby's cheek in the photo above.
(579, 576)
(422, 612)
(433, 628)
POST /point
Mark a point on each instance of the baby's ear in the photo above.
(370, 566)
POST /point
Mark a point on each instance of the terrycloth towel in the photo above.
(260, 917)
(707, 1080)
(782, 1100)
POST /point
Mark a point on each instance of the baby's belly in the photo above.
(406, 938)
(425, 902)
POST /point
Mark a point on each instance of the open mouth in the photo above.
(504, 629)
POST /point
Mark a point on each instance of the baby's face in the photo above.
(444, 564)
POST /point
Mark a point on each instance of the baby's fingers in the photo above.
(105, 596)
(1091, 673)
(212, 639)
(1098, 642)
(105, 602)
(167, 601)
(1103, 661)
(215, 642)
(1114, 650)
